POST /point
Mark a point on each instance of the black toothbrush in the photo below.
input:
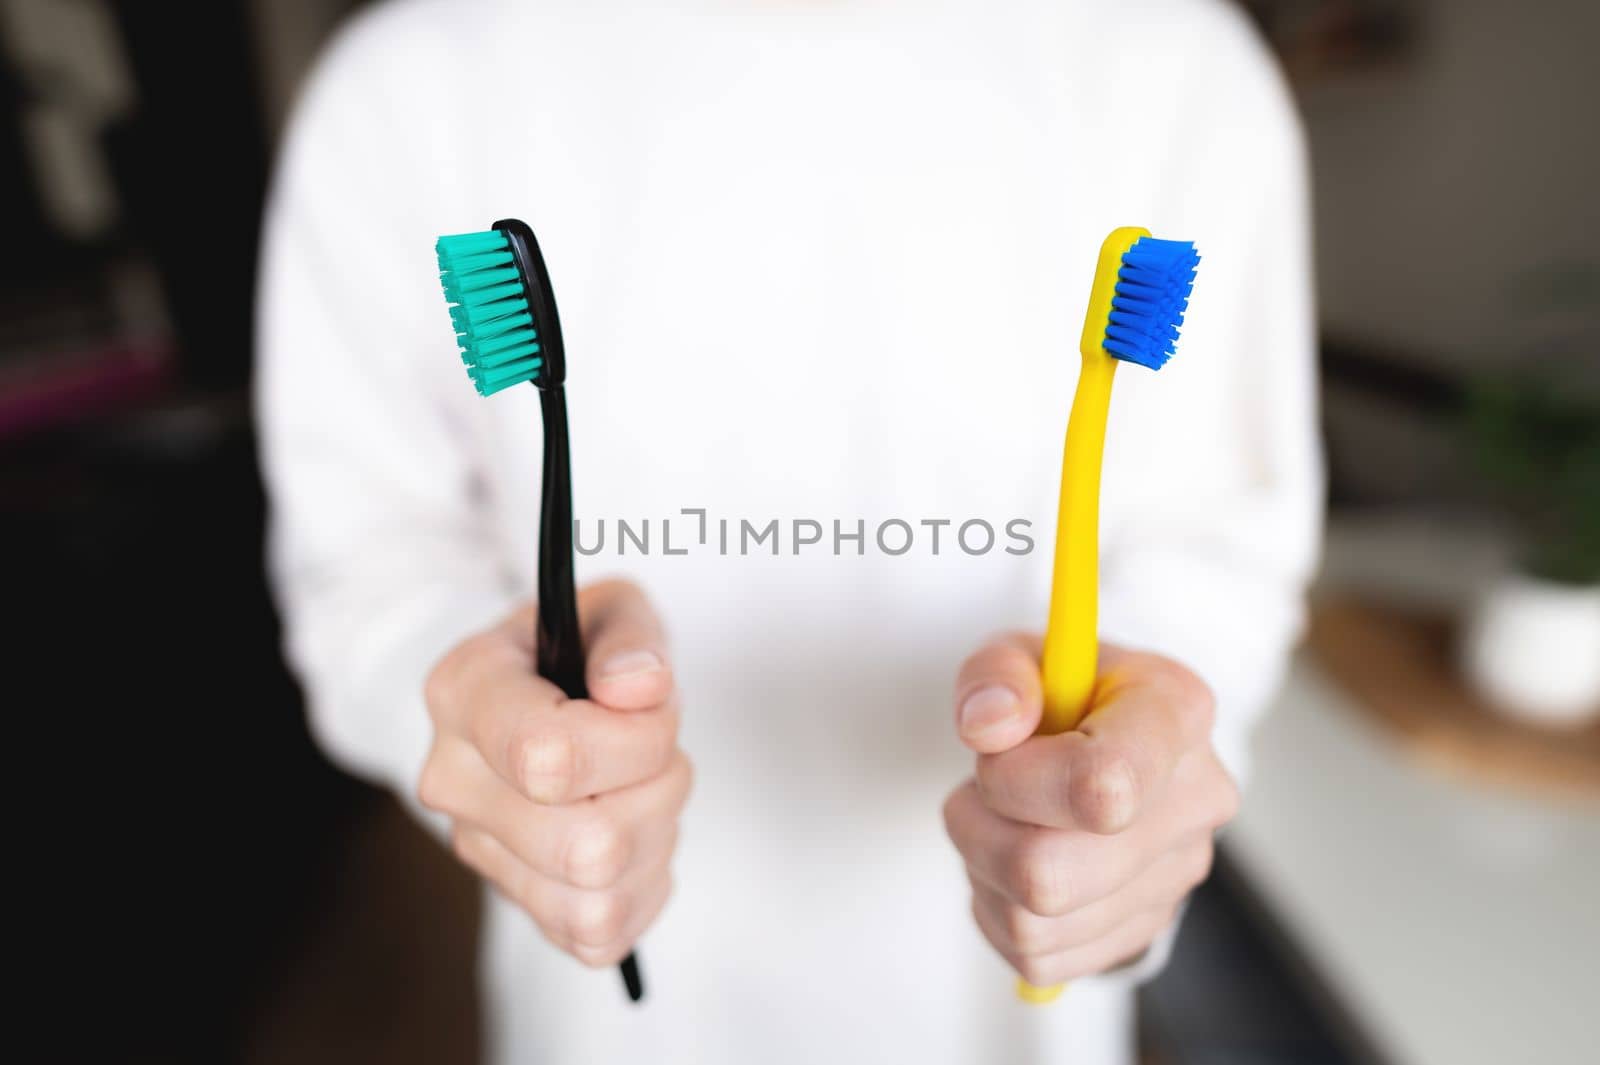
(504, 311)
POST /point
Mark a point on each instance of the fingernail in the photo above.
(631, 663)
(988, 707)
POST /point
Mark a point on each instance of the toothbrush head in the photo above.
(1141, 290)
(1151, 294)
(502, 307)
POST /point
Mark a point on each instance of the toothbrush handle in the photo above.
(1071, 639)
(559, 640)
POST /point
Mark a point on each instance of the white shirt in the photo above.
(815, 260)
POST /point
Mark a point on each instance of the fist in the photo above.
(569, 807)
(1080, 847)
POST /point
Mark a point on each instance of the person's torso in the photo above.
(823, 266)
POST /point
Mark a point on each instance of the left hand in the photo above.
(1081, 847)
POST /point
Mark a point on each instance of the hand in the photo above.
(569, 807)
(1080, 847)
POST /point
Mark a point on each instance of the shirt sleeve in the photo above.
(379, 546)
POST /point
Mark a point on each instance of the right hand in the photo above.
(569, 807)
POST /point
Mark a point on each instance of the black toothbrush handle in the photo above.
(559, 640)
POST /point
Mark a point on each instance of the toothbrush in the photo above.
(504, 312)
(1141, 288)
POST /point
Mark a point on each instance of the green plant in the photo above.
(1538, 446)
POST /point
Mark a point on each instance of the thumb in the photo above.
(998, 695)
(628, 666)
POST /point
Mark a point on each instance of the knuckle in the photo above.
(1039, 882)
(596, 854)
(1105, 796)
(546, 764)
(597, 918)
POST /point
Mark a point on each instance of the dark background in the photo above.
(199, 884)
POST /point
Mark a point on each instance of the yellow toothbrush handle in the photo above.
(1071, 636)
(1071, 639)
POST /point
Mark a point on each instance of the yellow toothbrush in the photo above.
(1141, 289)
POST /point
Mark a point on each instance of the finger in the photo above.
(1117, 948)
(1047, 871)
(1148, 713)
(1020, 933)
(998, 696)
(626, 647)
(584, 923)
(1120, 947)
(593, 843)
(490, 859)
(642, 914)
(1161, 886)
(598, 926)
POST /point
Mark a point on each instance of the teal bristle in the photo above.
(1152, 293)
(489, 310)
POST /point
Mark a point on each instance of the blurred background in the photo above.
(1416, 876)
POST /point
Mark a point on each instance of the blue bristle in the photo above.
(489, 310)
(1151, 295)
